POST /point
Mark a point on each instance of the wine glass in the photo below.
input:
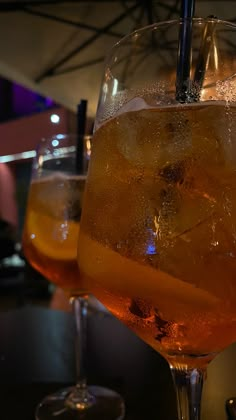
(159, 212)
(50, 245)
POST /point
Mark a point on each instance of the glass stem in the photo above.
(80, 398)
(188, 385)
(80, 308)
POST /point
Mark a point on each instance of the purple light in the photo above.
(49, 102)
(26, 102)
(23, 100)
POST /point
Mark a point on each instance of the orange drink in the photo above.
(160, 249)
(51, 229)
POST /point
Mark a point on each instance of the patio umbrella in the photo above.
(57, 48)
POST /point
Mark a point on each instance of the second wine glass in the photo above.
(50, 245)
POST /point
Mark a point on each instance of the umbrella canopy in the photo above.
(57, 48)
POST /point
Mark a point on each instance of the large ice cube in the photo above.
(135, 104)
(154, 138)
(204, 255)
(59, 195)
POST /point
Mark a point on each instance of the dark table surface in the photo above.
(37, 358)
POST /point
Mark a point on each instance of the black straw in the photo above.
(81, 127)
(184, 51)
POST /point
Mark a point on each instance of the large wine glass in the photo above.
(50, 245)
(157, 244)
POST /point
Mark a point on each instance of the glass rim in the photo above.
(163, 23)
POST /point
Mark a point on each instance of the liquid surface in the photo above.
(52, 227)
(162, 241)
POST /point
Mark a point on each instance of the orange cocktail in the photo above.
(51, 229)
(159, 251)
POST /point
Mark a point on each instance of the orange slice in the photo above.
(114, 272)
(55, 238)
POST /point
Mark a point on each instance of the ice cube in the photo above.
(152, 137)
(186, 198)
(135, 104)
(162, 136)
(55, 195)
(204, 255)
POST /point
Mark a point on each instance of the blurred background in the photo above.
(52, 58)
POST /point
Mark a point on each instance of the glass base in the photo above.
(94, 403)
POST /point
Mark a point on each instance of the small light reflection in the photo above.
(40, 160)
(88, 146)
(55, 143)
(55, 119)
(216, 58)
(115, 87)
(151, 248)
